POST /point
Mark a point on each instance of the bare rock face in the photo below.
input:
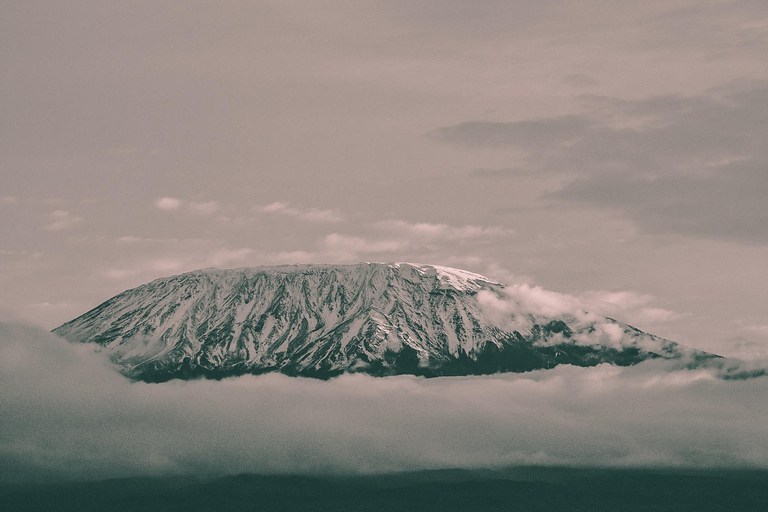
(323, 320)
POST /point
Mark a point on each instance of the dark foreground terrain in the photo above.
(518, 489)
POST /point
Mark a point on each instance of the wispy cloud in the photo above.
(513, 306)
(762, 329)
(168, 203)
(395, 239)
(529, 134)
(172, 204)
(353, 247)
(629, 306)
(674, 164)
(61, 220)
(307, 214)
(22, 252)
(431, 231)
(131, 239)
(187, 254)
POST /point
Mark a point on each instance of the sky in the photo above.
(612, 152)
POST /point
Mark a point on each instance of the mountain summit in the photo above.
(324, 320)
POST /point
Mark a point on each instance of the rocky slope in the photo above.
(323, 320)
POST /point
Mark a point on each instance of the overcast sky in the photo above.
(614, 151)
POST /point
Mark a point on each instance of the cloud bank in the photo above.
(691, 165)
(67, 413)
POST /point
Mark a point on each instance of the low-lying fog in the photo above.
(65, 412)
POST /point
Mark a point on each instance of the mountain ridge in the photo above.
(322, 320)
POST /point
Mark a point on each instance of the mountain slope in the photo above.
(322, 320)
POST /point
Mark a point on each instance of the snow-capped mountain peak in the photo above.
(322, 320)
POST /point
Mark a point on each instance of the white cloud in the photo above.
(316, 215)
(60, 395)
(433, 232)
(390, 240)
(629, 306)
(653, 316)
(307, 214)
(171, 204)
(626, 306)
(340, 248)
(118, 273)
(168, 203)
(587, 312)
(166, 265)
(524, 298)
(277, 207)
(130, 239)
(61, 220)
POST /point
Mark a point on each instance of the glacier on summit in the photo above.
(324, 320)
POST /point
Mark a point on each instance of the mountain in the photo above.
(323, 320)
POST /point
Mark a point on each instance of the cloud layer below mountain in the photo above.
(67, 413)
